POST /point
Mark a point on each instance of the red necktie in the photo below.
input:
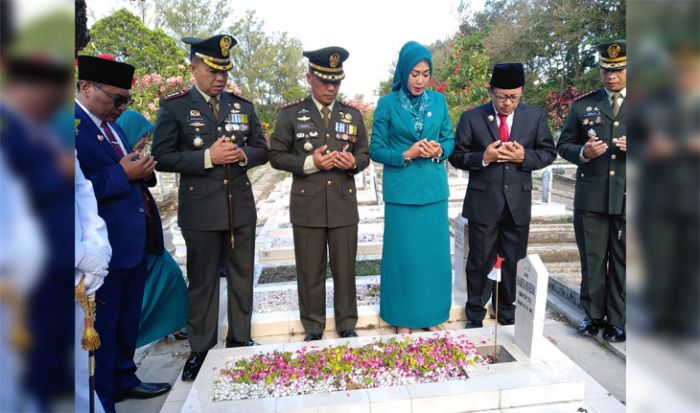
(118, 149)
(112, 139)
(503, 128)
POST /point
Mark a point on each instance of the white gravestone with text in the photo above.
(531, 301)
(461, 249)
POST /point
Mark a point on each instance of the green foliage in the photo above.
(554, 39)
(268, 67)
(461, 73)
(198, 18)
(124, 36)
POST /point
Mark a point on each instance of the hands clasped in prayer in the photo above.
(424, 149)
(510, 151)
(327, 161)
(224, 151)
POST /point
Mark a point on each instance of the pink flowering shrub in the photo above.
(150, 87)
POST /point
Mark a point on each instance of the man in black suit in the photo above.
(500, 144)
(212, 138)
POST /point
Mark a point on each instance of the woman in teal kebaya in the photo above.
(164, 307)
(412, 136)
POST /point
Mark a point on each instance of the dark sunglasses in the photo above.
(118, 100)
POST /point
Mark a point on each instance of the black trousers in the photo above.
(310, 245)
(485, 241)
(601, 244)
(204, 250)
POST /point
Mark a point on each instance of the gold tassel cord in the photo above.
(20, 337)
(91, 339)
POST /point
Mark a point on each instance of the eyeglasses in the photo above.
(503, 98)
(118, 100)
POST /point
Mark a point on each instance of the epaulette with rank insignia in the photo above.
(175, 94)
(289, 104)
(586, 95)
(241, 97)
(350, 105)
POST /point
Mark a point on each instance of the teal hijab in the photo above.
(418, 106)
(134, 125)
(411, 53)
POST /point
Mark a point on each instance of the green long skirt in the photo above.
(416, 279)
(164, 308)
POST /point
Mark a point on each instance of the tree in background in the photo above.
(554, 40)
(268, 67)
(198, 18)
(460, 72)
(124, 36)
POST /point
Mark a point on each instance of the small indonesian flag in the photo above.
(495, 273)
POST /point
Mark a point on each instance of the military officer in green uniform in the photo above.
(594, 138)
(323, 143)
(211, 138)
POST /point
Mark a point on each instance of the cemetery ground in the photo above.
(275, 295)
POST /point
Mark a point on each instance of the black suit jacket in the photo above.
(186, 127)
(498, 185)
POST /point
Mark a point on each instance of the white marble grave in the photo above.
(550, 381)
(532, 279)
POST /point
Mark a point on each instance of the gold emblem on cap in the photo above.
(225, 44)
(334, 60)
(613, 50)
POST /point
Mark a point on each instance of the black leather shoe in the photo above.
(474, 324)
(614, 334)
(143, 391)
(348, 334)
(590, 327)
(192, 365)
(233, 343)
(506, 321)
(180, 335)
(313, 337)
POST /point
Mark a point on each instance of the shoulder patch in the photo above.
(586, 95)
(177, 94)
(289, 104)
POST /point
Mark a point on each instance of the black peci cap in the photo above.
(508, 76)
(108, 72)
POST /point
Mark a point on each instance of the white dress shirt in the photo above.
(98, 123)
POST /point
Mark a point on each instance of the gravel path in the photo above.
(287, 300)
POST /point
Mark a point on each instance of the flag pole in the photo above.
(495, 275)
(495, 342)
